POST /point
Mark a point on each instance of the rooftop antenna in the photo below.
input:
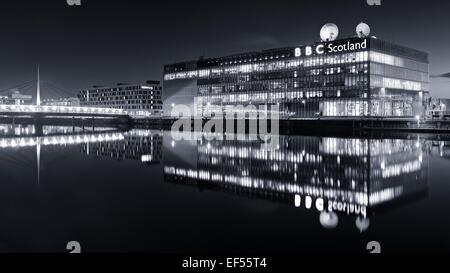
(329, 32)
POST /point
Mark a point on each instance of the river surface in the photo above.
(149, 191)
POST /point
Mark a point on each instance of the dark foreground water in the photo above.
(142, 191)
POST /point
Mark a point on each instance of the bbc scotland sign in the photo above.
(331, 47)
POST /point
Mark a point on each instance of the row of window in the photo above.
(384, 82)
(354, 57)
(112, 94)
(274, 97)
(398, 73)
(322, 73)
(420, 70)
(128, 88)
(124, 98)
(337, 107)
(383, 58)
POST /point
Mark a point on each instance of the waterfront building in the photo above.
(70, 102)
(14, 97)
(354, 77)
(137, 99)
(439, 108)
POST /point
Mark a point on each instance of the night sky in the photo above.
(105, 42)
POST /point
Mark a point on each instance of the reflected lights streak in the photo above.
(59, 140)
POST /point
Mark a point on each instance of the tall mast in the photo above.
(38, 91)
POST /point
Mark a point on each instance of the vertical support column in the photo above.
(38, 89)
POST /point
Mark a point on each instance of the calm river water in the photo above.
(142, 191)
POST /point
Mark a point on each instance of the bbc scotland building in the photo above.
(354, 77)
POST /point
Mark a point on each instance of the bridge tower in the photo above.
(38, 89)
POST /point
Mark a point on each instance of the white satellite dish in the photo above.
(363, 30)
(329, 220)
(329, 32)
(362, 224)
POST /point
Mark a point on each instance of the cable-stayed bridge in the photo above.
(38, 111)
(59, 111)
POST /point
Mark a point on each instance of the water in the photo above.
(142, 191)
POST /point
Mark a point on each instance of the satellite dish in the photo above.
(329, 220)
(329, 32)
(362, 224)
(363, 30)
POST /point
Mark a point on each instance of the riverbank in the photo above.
(335, 125)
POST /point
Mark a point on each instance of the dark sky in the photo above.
(105, 42)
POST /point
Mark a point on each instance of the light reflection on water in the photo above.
(334, 176)
(341, 184)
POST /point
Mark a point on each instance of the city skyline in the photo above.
(225, 135)
(78, 47)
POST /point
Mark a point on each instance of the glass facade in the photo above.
(347, 78)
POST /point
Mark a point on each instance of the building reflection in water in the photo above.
(135, 144)
(17, 130)
(15, 136)
(337, 177)
(140, 145)
(18, 136)
(334, 176)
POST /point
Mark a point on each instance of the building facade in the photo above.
(136, 99)
(14, 97)
(355, 77)
(438, 108)
(70, 102)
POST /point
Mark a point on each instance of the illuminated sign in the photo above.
(347, 208)
(323, 205)
(320, 49)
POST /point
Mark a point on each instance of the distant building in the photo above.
(72, 102)
(354, 77)
(439, 104)
(438, 108)
(136, 99)
(14, 97)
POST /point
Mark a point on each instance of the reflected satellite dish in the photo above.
(329, 32)
(362, 224)
(329, 220)
(363, 30)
